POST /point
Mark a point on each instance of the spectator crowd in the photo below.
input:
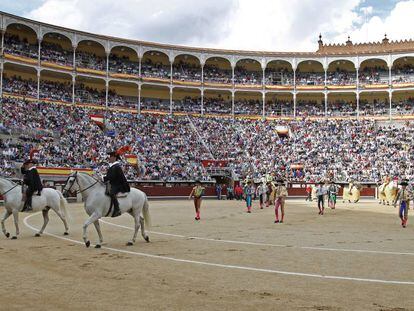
(172, 147)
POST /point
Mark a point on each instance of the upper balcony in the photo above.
(367, 66)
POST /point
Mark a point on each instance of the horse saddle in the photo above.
(122, 195)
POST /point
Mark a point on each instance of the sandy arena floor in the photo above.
(356, 257)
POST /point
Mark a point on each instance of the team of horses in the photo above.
(96, 203)
(386, 192)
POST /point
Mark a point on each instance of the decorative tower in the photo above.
(320, 42)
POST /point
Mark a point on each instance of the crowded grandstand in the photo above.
(178, 107)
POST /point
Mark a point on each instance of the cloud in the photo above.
(287, 25)
(398, 24)
(19, 7)
(234, 24)
(276, 25)
(367, 10)
(166, 21)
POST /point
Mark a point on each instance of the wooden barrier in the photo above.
(160, 189)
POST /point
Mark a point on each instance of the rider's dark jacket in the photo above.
(115, 176)
(32, 180)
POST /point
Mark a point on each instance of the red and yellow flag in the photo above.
(99, 120)
(132, 159)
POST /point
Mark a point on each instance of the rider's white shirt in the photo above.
(32, 168)
(112, 164)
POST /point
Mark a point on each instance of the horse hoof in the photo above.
(129, 243)
(88, 243)
(7, 235)
(65, 233)
(37, 235)
(147, 239)
(14, 238)
(97, 246)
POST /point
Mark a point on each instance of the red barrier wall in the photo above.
(176, 191)
(210, 191)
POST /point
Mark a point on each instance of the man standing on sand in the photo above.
(320, 194)
(248, 192)
(332, 194)
(280, 196)
(404, 196)
(261, 191)
(197, 192)
(218, 191)
(308, 193)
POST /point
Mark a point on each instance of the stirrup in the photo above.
(27, 208)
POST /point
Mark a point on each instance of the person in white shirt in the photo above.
(320, 193)
(261, 192)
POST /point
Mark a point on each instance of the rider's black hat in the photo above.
(30, 161)
(114, 154)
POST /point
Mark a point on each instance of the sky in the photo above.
(269, 25)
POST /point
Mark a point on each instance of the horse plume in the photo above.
(123, 150)
(32, 153)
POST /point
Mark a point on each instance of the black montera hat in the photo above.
(114, 154)
(28, 161)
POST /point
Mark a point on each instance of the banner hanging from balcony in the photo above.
(296, 166)
(214, 163)
(99, 120)
(282, 131)
(61, 171)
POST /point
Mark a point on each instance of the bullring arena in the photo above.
(224, 119)
(229, 260)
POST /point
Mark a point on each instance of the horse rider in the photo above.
(116, 181)
(32, 183)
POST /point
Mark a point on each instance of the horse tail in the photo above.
(145, 213)
(63, 205)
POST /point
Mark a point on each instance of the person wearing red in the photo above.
(308, 192)
(238, 192)
(197, 193)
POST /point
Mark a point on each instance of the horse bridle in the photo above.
(76, 179)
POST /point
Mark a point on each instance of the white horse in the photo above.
(97, 205)
(352, 192)
(387, 192)
(49, 199)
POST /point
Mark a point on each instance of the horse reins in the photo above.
(80, 190)
(2, 194)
